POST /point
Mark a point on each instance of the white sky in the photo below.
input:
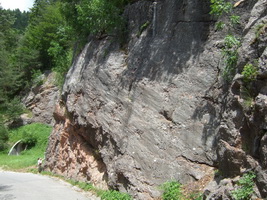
(23, 5)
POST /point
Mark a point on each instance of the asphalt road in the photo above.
(27, 186)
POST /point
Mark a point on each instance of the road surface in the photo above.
(27, 186)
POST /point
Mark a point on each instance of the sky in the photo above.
(23, 5)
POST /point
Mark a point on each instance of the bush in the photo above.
(171, 190)
(3, 138)
(245, 189)
(29, 139)
(250, 73)
(231, 44)
(32, 135)
(234, 19)
(219, 7)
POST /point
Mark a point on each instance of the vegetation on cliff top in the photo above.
(47, 38)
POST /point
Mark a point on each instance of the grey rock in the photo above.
(263, 151)
(157, 110)
(218, 190)
(230, 159)
(261, 181)
(41, 101)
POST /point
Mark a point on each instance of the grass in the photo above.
(17, 162)
(103, 194)
(173, 190)
(36, 136)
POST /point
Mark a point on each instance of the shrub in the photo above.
(250, 73)
(245, 189)
(3, 138)
(234, 19)
(260, 29)
(231, 44)
(219, 25)
(29, 139)
(37, 77)
(245, 93)
(171, 190)
(231, 41)
(32, 134)
(219, 7)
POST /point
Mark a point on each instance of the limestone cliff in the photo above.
(132, 117)
(40, 101)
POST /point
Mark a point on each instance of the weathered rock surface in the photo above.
(154, 110)
(41, 101)
(242, 130)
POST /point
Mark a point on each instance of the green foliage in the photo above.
(9, 76)
(22, 20)
(231, 44)
(46, 44)
(10, 109)
(37, 77)
(3, 137)
(61, 53)
(219, 7)
(103, 194)
(143, 27)
(93, 16)
(245, 189)
(113, 195)
(43, 30)
(33, 134)
(250, 73)
(62, 66)
(219, 25)
(53, 29)
(261, 29)
(171, 190)
(234, 19)
(11, 80)
(248, 98)
(82, 185)
(97, 16)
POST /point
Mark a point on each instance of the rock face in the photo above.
(41, 101)
(135, 116)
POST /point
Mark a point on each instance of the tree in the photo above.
(93, 16)
(22, 20)
(10, 76)
(3, 137)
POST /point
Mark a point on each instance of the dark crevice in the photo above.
(167, 115)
